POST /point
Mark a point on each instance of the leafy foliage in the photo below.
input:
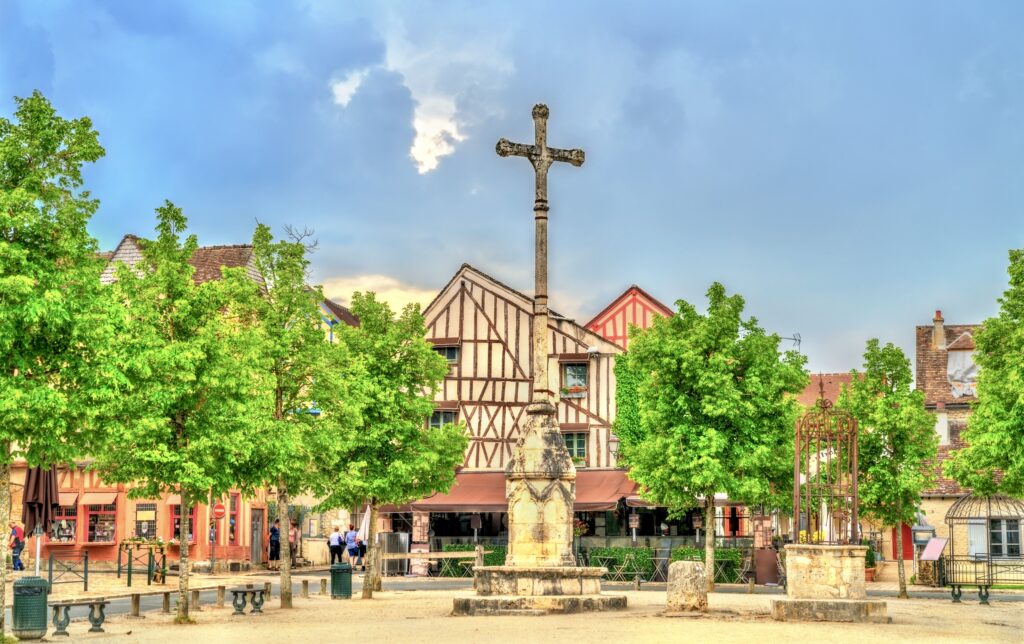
(395, 457)
(627, 411)
(56, 322)
(310, 396)
(728, 561)
(495, 556)
(897, 442)
(995, 431)
(187, 414)
(715, 408)
(643, 558)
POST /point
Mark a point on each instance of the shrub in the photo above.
(869, 558)
(496, 556)
(643, 558)
(728, 561)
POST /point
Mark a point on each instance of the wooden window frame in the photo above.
(175, 511)
(454, 413)
(1001, 527)
(234, 510)
(103, 511)
(578, 431)
(62, 514)
(576, 391)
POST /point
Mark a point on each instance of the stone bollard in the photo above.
(136, 605)
(687, 587)
(167, 603)
(220, 596)
(305, 589)
(195, 601)
(323, 586)
(266, 589)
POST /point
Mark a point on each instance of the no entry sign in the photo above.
(219, 511)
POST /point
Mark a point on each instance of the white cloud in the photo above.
(346, 88)
(444, 75)
(388, 289)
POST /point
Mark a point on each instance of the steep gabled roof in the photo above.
(207, 260)
(524, 301)
(341, 313)
(629, 293)
(964, 343)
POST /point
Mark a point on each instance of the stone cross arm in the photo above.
(507, 148)
(539, 154)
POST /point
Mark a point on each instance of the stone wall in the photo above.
(825, 572)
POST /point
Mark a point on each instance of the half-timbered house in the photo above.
(635, 307)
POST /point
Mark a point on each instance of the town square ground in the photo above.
(404, 615)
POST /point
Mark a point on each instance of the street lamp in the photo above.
(613, 445)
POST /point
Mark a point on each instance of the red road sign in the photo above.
(219, 511)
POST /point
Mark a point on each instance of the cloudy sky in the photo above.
(847, 167)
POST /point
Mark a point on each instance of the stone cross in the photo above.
(541, 157)
(540, 479)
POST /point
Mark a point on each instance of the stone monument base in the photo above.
(537, 590)
(830, 610)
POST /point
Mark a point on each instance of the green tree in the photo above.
(312, 394)
(395, 458)
(896, 443)
(187, 420)
(716, 414)
(995, 432)
(56, 323)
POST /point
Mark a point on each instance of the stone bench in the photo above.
(61, 614)
(239, 596)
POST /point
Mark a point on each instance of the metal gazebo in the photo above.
(984, 544)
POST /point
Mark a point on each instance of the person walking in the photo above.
(274, 560)
(334, 544)
(17, 544)
(352, 544)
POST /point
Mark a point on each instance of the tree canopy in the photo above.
(395, 457)
(993, 459)
(56, 322)
(310, 398)
(897, 441)
(715, 408)
(187, 417)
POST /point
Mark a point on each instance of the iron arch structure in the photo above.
(984, 544)
(825, 476)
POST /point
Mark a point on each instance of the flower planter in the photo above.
(869, 574)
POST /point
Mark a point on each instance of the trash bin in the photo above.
(29, 612)
(341, 581)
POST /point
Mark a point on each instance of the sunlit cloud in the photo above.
(347, 87)
(388, 289)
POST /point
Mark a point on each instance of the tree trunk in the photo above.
(899, 560)
(5, 519)
(286, 545)
(371, 581)
(709, 543)
(183, 564)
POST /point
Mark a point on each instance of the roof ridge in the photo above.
(223, 246)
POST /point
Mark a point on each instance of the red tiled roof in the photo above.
(341, 313)
(833, 382)
(945, 486)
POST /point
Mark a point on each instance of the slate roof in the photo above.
(341, 313)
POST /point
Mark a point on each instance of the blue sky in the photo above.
(848, 167)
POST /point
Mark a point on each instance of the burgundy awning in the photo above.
(596, 490)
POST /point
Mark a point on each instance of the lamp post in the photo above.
(613, 447)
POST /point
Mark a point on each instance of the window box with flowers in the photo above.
(574, 380)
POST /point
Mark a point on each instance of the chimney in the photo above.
(938, 332)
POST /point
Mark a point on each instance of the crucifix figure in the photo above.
(541, 157)
(540, 478)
